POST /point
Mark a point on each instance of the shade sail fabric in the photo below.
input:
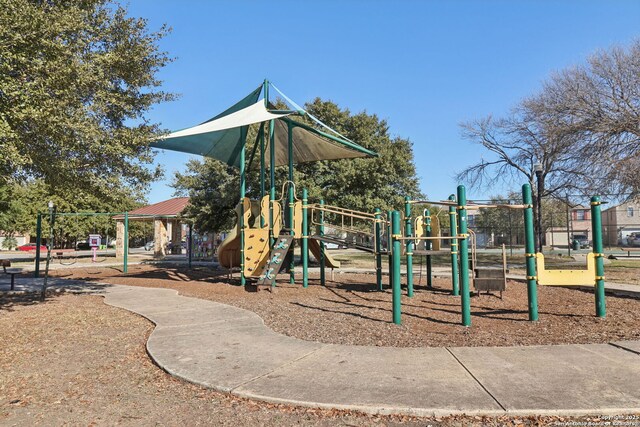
(223, 137)
(308, 147)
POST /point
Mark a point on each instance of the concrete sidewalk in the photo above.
(231, 350)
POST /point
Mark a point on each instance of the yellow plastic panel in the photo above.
(297, 220)
(566, 277)
(435, 232)
(256, 250)
(419, 231)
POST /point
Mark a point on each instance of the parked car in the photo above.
(149, 245)
(581, 241)
(31, 247)
(82, 246)
(633, 239)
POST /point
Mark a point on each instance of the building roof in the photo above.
(167, 208)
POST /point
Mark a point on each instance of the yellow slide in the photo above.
(314, 247)
(229, 250)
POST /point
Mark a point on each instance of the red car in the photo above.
(31, 247)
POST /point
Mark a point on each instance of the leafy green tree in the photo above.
(76, 81)
(9, 242)
(213, 190)
(360, 184)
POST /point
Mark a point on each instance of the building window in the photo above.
(580, 215)
(471, 220)
(629, 211)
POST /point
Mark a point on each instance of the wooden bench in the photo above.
(6, 263)
(629, 250)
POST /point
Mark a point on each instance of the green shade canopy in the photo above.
(223, 136)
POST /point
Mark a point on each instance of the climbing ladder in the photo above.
(276, 260)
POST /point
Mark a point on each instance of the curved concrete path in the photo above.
(231, 350)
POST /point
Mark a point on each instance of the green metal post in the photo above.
(262, 170)
(272, 179)
(396, 293)
(596, 226)
(390, 248)
(305, 240)
(429, 246)
(532, 290)
(321, 233)
(265, 87)
(243, 186)
(453, 231)
(409, 245)
(125, 255)
(464, 256)
(52, 221)
(378, 250)
(290, 225)
(38, 243)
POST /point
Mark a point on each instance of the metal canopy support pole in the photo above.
(292, 275)
(390, 248)
(396, 293)
(272, 180)
(427, 223)
(125, 255)
(529, 241)
(408, 245)
(464, 256)
(262, 170)
(305, 240)
(243, 186)
(378, 250)
(453, 231)
(596, 225)
(321, 233)
(38, 243)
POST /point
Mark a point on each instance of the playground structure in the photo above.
(262, 242)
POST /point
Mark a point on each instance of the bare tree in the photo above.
(598, 105)
(583, 128)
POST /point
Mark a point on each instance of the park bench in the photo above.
(629, 250)
(631, 253)
(6, 263)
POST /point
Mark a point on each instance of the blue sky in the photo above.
(424, 66)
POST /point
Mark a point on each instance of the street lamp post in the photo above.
(52, 218)
(538, 170)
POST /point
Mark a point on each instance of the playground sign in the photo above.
(94, 242)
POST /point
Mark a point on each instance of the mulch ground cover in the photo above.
(348, 310)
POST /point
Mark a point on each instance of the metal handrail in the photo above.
(345, 220)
